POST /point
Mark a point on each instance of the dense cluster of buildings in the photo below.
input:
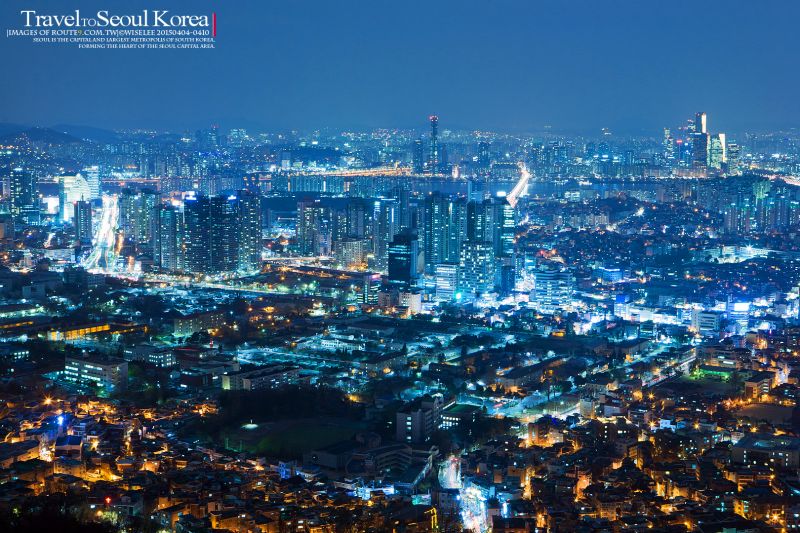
(395, 331)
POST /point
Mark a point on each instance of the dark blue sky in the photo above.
(484, 64)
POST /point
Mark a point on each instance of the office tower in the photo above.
(476, 268)
(734, 158)
(717, 151)
(505, 227)
(166, 238)
(250, 231)
(700, 145)
(197, 234)
(92, 176)
(479, 223)
(483, 156)
(433, 163)
(446, 276)
(553, 289)
(700, 123)
(506, 275)
(669, 146)
(386, 227)
(24, 196)
(417, 157)
(444, 229)
(701, 142)
(72, 189)
(83, 222)
(224, 234)
(403, 254)
(314, 231)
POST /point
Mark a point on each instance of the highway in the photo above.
(104, 254)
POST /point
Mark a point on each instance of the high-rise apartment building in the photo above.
(167, 245)
(249, 239)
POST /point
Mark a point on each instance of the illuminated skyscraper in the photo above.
(358, 219)
(483, 157)
(403, 253)
(92, 176)
(433, 163)
(669, 146)
(166, 238)
(701, 123)
(444, 226)
(446, 282)
(700, 142)
(83, 221)
(224, 234)
(136, 212)
(504, 228)
(73, 188)
(197, 234)
(313, 228)
(210, 234)
(717, 151)
(417, 157)
(250, 231)
(476, 268)
(444, 163)
(386, 227)
(24, 196)
(733, 156)
(492, 221)
(700, 145)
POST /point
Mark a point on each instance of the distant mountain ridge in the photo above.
(87, 133)
(36, 135)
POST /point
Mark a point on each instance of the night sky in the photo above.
(515, 65)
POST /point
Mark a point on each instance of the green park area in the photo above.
(698, 385)
(286, 422)
(291, 437)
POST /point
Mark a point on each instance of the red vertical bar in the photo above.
(214, 24)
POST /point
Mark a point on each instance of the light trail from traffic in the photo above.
(104, 254)
(521, 187)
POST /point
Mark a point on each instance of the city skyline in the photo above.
(421, 128)
(506, 266)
